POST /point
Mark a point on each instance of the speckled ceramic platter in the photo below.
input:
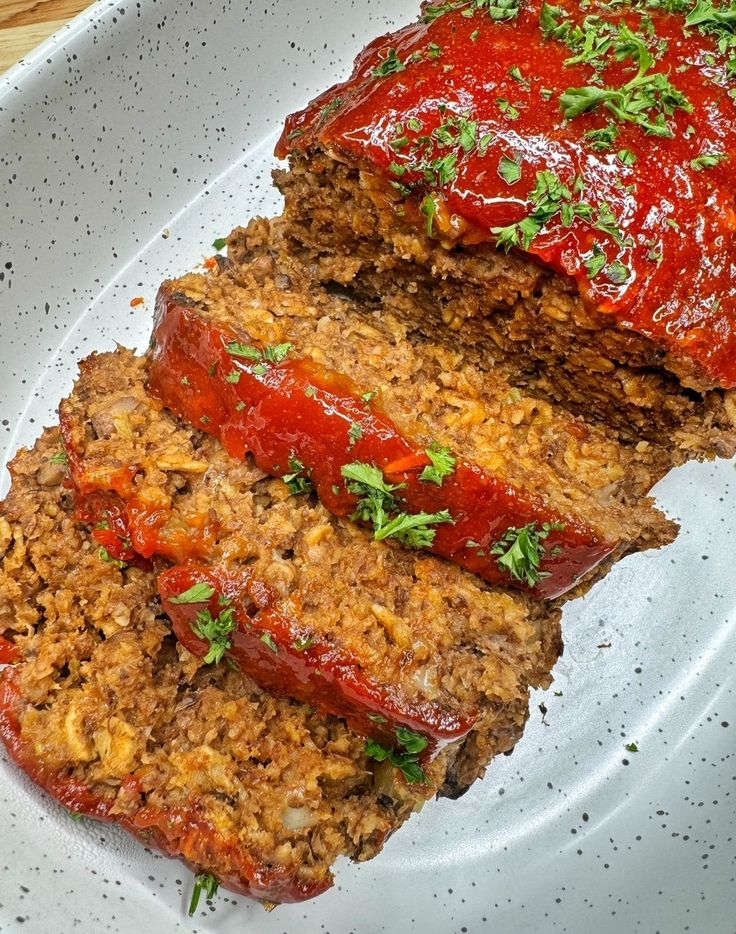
(127, 143)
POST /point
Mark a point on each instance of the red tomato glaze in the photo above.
(677, 220)
(276, 649)
(180, 832)
(300, 409)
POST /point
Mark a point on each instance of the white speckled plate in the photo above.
(142, 117)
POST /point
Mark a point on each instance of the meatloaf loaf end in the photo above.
(395, 640)
(117, 721)
(459, 139)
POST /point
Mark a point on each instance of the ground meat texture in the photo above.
(348, 227)
(555, 466)
(117, 721)
(440, 645)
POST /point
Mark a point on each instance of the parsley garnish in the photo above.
(443, 464)
(602, 138)
(626, 156)
(377, 505)
(595, 263)
(303, 643)
(407, 761)
(197, 593)
(220, 243)
(550, 197)
(59, 458)
(203, 882)
(707, 161)
(355, 433)
(428, 207)
(520, 551)
(233, 377)
(506, 107)
(389, 66)
(631, 747)
(270, 353)
(377, 718)
(498, 10)
(215, 630)
(330, 108)
(106, 556)
(509, 169)
(267, 639)
(368, 397)
(296, 481)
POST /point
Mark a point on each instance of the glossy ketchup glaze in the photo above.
(665, 264)
(299, 409)
(274, 647)
(179, 832)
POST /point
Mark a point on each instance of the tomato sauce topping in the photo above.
(272, 645)
(628, 113)
(298, 417)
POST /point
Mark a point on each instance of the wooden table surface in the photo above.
(25, 23)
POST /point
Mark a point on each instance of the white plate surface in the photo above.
(142, 117)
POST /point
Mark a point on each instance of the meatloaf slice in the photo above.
(303, 601)
(117, 721)
(457, 139)
(340, 400)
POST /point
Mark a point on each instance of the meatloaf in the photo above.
(554, 185)
(324, 393)
(117, 721)
(394, 640)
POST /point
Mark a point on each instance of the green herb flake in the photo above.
(236, 349)
(59, 458)
(596, 262)
(310, 392)
(626, 156)
(355, 433)
(389, 66)
(203, 882)
(215, 630)
(507, 108)
(377, 718)
(428, 207)
(413, 529)
(631, 747)
(509, 169)
(107, 557)
(220, 243)
(707, 161)
(297, 480)
(303, 643)
(443, 464)
(267, 639)
(368, 397)
(520, 551)
(233, 377)
(197, 593)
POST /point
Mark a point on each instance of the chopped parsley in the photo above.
(631, 747)
(233, 377)
(215, 630)
(428, 207)
(197, 593)
(220, 243)
(389, 66)
(106, 556)
(408, 760)
(303, 643)
(443, 464)
(602, 138)
(520, 551)
(551, 197)
(498, 10)
(329, 109)
(203, 882)
(59, 458)
(270, 353)
(377, 718)
(506, 107)
(369, 396)
(377, 505)
(626, 156)
(297, 480)
(596, 261)
(510, 169)
(355, 433)
(267, 639)
(310, 392)
(707, 161)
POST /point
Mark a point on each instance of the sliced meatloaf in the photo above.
(116, 720)
(474, 172)
(306, 603)
(394, 432)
